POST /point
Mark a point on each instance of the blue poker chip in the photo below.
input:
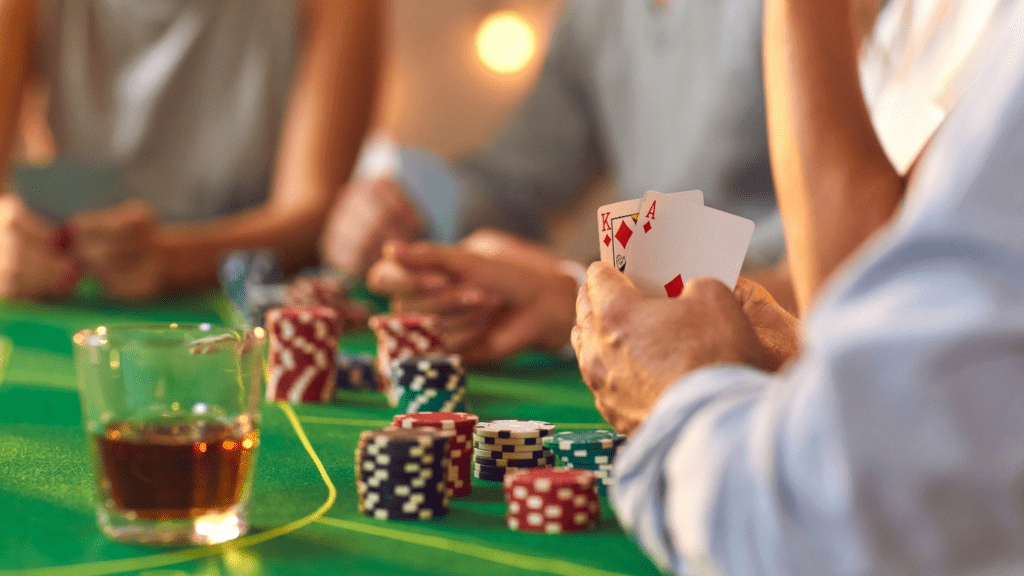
(356, 372)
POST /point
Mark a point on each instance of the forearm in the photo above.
(331, 103)
(194, 250)
(328, 114)
(17, 18)
(834, 183)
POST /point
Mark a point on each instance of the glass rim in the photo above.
(81, 337)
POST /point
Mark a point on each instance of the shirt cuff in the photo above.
(639, 494)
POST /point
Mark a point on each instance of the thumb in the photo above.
(607, 287)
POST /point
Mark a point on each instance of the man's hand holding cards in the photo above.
(671, 238)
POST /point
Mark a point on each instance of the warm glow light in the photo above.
(505, 42)
(229, 445)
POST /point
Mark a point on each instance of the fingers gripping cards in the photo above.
(301, 365)
(401, 336)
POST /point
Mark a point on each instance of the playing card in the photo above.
(616, 222)
(677, 240)
(66, 188)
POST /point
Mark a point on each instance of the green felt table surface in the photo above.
(47, 523)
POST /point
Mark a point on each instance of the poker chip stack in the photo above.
(592, 450)
(551, 500)
(301, 366)
(254, 281)
(503, 444)
(460, 447)
(402, 473)
(429, 384)
(401, 336)
(356, 371)
(326, 290)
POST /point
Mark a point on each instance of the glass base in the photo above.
(211, 528)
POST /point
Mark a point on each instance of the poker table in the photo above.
(303, 512)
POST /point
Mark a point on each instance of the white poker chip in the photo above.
(514, 429)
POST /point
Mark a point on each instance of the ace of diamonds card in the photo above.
(675, 240)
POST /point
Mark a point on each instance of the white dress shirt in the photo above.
(894, 444)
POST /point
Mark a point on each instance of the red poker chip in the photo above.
(458, 421)
(551, 518)
(545, 479)
(397, 322)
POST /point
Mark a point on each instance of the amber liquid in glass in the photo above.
(176, 471)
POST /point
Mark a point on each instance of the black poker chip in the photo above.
(402, 474)
(487, 442)
(428, 372)
(508, 455)
(527, 463)
(492, 477)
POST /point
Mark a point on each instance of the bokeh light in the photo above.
(505, 42)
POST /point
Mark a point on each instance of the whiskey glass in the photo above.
(172, 417)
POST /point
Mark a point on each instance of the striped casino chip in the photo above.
(491, 440)
(441, 372)
(551, 500)
(514, 429)
(301, 365)
(461, 422)
(460, 426)
(509, 455)
(514, 463)
(585, 439)
(402, 473)
(402, 336)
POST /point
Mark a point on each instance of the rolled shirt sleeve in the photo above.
(893, 445)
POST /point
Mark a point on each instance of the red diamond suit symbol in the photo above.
(675, 286)
(623, 234)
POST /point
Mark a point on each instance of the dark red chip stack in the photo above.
(302, 363)
(551, 500)
(327, 291)
(460, 447)
(401, 336)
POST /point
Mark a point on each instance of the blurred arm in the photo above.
(329, 112)
(834, 184)
(17, 20)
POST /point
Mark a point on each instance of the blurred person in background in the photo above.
(232, 124)
(663, 95)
